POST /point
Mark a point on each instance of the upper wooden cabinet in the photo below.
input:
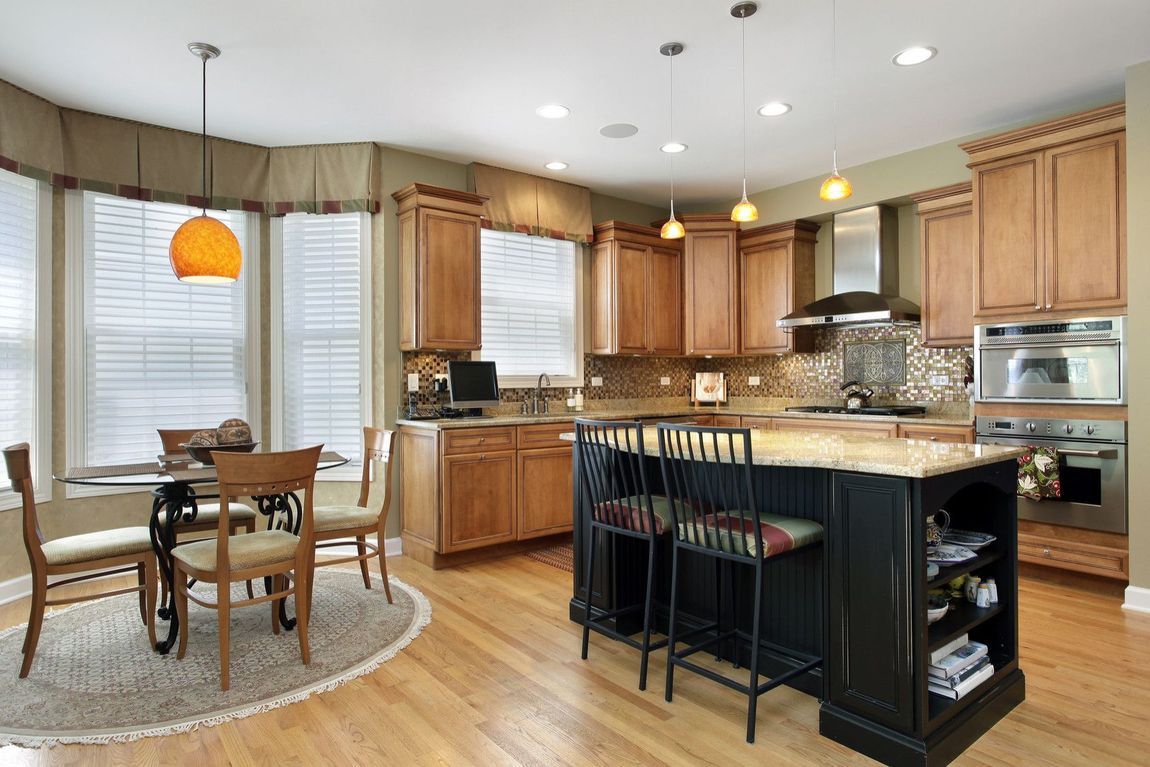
(636, 291)
(777, 276)
(439, 277)
(1049, 210)
(946, 252)
(710, 285)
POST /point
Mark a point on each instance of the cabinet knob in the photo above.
(934, 439)
(483, 456)
(1048, 307)
(483, 439)
(1038, 307)
(1046, 552)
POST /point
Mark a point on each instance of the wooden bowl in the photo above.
(203, 453)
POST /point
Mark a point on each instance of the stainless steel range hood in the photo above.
(865, 275)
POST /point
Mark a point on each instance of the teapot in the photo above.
(856, 397)
(935, 531)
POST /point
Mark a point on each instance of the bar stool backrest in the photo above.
(707, 480)
(611, 464)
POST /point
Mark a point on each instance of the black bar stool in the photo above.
(707, 478)
(614, 476)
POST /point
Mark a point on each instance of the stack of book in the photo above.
(958, 667)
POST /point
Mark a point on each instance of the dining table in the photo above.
(172, 480)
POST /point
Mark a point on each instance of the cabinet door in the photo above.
(478, 500)
(959, 434)
(545, 492)
(632, 300)
(602, 298)
(869, 668)
(766, 291)
(873, 428)
(710, 293)
(729, 421)
(666, 304)
(1008, 213)
(755, 422)
(448, 280)
(1086, 224)
(946, 240)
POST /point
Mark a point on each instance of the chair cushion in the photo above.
(343, 517)
(631, 514)
(102, 544)
(265, 547)
(210, 512)
(780, 534)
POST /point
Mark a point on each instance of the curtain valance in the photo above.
(521, 202)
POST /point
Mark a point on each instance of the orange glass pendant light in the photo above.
(835, 187)
(745, 211)
(204, 251)
(673, 228)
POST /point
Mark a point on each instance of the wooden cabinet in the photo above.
(873, 428)
(933, 433)
(710, 285)
(544, 492)
(727, 421)
(946, 252)
(1049, 211)
(777, 276)
(1071, 548)
(636, 283)
(439, 275)
(479, 495)
(755, 422)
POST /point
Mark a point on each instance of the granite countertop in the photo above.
(858, 453)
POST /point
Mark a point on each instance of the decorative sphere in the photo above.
(204, 251)
(205, 438)
(233, 431)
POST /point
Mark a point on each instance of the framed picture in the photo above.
(710, 388)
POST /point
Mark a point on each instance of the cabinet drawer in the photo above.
(728, 421)
(960, 434)
(457, 441)
(545, 435)
(753, 422)
(1069, 555)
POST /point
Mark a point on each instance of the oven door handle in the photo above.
(1111, 454)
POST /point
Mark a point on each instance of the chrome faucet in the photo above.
(538, 394)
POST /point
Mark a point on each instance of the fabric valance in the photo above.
(82, 150)
(521, 202)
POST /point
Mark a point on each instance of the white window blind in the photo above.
(156, 352)
(23, 351)
(321, 390)
(529, 294)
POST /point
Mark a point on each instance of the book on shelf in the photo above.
(956, 661)
(947, 649)
(966, 673)
(937, 687)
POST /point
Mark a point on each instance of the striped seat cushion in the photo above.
(631, 513)
(736, 533)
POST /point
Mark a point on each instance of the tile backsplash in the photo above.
(815, 376)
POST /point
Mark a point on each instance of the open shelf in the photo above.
(941, 708)
(959, 619)
(948, 573)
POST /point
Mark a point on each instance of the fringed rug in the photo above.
(561, 556)
(95, 680)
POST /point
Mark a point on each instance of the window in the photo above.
(25, 328)
(531, 288)
(147, 351)
(321, 326)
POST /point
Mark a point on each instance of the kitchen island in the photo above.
(860, 600)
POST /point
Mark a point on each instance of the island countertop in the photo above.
(858, 453)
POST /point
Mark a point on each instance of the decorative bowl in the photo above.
(936, 607)
(203, 453)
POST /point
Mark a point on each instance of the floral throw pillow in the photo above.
(1038, 473)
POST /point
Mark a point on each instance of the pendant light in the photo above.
(204, 251)
(745, 211)
(673, 229)
(835, 187)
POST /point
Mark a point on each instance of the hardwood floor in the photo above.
(496, 679)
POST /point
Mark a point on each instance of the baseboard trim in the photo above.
(1137, 599)
(20, 587)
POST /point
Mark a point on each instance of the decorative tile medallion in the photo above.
(875, 362)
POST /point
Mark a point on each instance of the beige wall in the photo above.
(1138, 273)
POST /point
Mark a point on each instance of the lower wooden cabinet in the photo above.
(755, 422)
(960, 434)
(544, 502)
(479, 497)
(727, 421)
(1070, 548)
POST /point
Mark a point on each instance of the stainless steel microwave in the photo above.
(1079, 361)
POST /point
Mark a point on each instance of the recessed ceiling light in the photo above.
(673, 147)
(774, 109)
(618, 130)
(556, 165)
(914, 55)
(553, 111)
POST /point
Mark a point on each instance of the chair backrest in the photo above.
(267, 474)
(614, 474)
(17, 458)
(171, 439)
(378, 445)
(707, 479)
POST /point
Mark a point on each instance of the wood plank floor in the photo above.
(496, 679)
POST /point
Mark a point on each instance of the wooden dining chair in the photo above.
(335, 524)
(278, 554)
(85, 556)
(241, 519)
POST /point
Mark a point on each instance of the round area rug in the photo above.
(95, 680)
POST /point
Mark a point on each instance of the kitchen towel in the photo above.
(1038, 473)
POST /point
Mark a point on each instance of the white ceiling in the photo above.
(460, 79)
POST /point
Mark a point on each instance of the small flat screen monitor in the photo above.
(472, 384)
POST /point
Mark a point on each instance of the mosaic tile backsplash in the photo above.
(815, 376)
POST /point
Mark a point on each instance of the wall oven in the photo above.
(1091, 461)
(1079, 361)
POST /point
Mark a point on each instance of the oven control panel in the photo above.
(1051, 428)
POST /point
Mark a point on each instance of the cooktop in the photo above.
(895, 410)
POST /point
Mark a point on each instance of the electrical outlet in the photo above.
(940, 380)
(753, 380)
(439, 382)
(665, 381)
(413, 381)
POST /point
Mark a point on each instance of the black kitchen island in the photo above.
(859, 601)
